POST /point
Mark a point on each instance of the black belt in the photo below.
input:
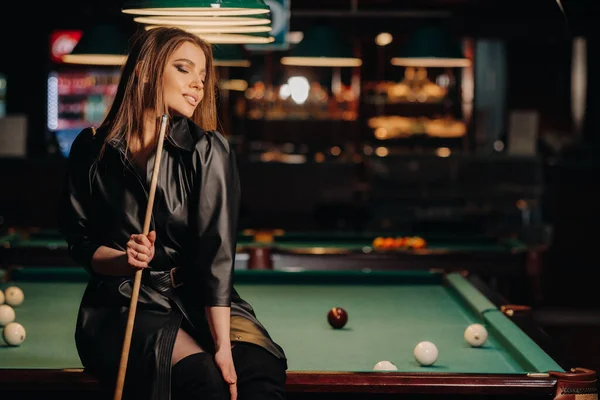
(165, 280)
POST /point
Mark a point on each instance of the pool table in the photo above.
(508, 265)
(37, 247)
(442, 250)
(389, 313)
(29, 246)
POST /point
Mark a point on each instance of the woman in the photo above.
(194, 337)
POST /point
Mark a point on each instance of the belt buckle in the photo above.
(172, 275)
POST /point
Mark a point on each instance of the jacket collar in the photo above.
(180, 135)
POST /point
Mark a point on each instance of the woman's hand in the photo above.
(224, 361)
(140, 250)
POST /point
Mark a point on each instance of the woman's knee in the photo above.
(197, 377)
(261, 375)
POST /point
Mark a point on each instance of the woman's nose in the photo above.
(197, 84)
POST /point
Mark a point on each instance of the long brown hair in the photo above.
(141, 84)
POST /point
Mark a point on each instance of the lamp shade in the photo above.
(225, 29)
(100, 45)
(322, 46)
(216, 21)
(195, 7)
(226, 38)
(203, 21)
(229, 55)
(431, 47)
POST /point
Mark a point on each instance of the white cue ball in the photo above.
(14, 334)
(1, 297)
(385, 366)
(476, 335)
(14, 296)
(426, 353)
(7, 314)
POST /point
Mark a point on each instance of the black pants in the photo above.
(260, 376)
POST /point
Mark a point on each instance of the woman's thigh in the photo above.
(184, 346)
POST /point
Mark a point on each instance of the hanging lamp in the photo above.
(203, 20)
(322, 46)
(195, 7)
(227, 38)
(99, 45)
(239, 26)
(431, 47)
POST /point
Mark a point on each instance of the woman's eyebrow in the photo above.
(186, 61)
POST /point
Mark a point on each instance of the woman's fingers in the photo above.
(134, 259)
(141, 239)
(233, 391)
(138, 248)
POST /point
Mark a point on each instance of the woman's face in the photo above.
(183, 79)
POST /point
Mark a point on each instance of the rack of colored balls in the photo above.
(400, 242)
(425, 352)
(13, 332)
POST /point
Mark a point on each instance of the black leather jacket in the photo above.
(195, 218)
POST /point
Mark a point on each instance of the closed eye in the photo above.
(182, 70)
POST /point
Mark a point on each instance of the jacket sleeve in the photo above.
(74, 214)
(216, 204)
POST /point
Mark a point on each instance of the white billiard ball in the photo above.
(1, 297)
(385, 366)
(14, 334)
(14, 296)
(426, 353)
(476, 335)
(7, 314)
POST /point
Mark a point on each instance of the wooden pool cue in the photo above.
(138, 273)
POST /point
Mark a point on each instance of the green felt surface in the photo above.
(304, 240)
(389, 313)
(364, 240)
(48, 315)
(464, 247)
(51, 240)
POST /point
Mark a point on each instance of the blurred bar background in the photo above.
(496, 136)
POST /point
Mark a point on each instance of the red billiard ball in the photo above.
(337, 317)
